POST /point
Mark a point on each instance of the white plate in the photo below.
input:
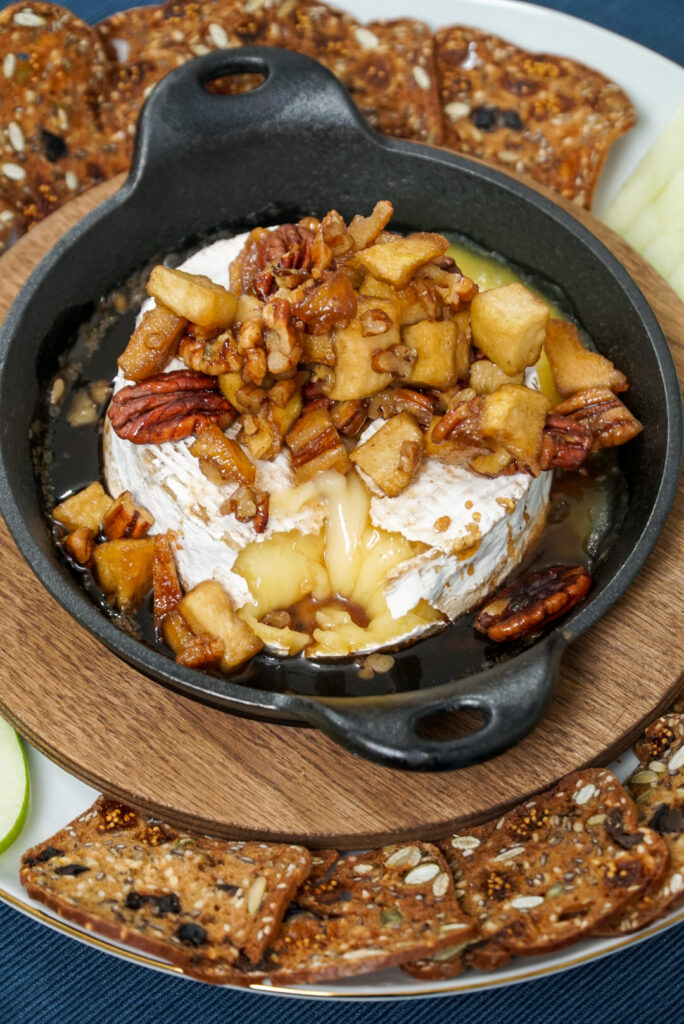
(656, 87)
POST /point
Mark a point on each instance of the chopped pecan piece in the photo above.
(349, 417)
(126, 519)
(221, 458)
(202, 651)
(280, 339)
(247, 504)
(609, 421)
(363, 231)
(528, 604)
(165, 585)
(373, 322)
(168, 407)
(80, 545)
(463, 419)
(315, 445)
(314, 398)
(397, 359)
(565, 443)
(212, 357)
(331, 302)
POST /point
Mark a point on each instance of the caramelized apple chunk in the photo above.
(514, 417)
(207, 610)
(153, 343)
(574, 367)
(509, 325)
(86, 508)
(222, 459)
(354, 376)
(396, 261)
(176, 631)
(126, 519)
(443, 354)
(392, 456)
(202, 651)
(486, 377)
(193, 297)
(124, 569)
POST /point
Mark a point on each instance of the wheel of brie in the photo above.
(379, 568)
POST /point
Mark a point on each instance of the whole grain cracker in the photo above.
(546, 116)
(189, 899)
(549, 871)
(53, 74)
(657, 786)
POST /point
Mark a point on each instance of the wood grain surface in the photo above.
(204, 769)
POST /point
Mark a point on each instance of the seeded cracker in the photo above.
(657, 786)
(11, 225)
(546, 116)
(549, 872)
(195, 901)
(370, 911)
(53, 72)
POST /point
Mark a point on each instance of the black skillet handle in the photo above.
(182, 118)
(510, 697)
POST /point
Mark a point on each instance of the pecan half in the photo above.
(168, 407)
(263, 248)
(528, 604)
(566, 442)
(609, 421)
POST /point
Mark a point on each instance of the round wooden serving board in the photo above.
(204, 769)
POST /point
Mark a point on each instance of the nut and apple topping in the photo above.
(321, 396)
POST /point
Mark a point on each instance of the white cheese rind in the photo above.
(492, 521)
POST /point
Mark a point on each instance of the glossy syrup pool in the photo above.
(585, 512)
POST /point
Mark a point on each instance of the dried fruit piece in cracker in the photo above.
(54, 71)
(546, 116)
(658, 788)
(188, 899)
(549, 872)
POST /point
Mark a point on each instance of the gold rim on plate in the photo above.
(315, 993)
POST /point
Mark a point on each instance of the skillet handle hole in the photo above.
(443, 726)
(234, 84)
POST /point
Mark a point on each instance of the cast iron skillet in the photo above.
(295, 146)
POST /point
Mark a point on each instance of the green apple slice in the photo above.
(14, 789)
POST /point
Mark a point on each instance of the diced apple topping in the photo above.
(194, 297)
(514, 417)
(443, 354)
(397, 260)
(315, 446)
(208, 611)
(486, 377)
(86, 508)
(509, 326)
(153, 343)
(573, 366)
(392, 456)
(124, 569)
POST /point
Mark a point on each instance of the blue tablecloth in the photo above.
(46, 978)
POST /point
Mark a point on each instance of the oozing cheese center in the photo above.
(409, 562)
